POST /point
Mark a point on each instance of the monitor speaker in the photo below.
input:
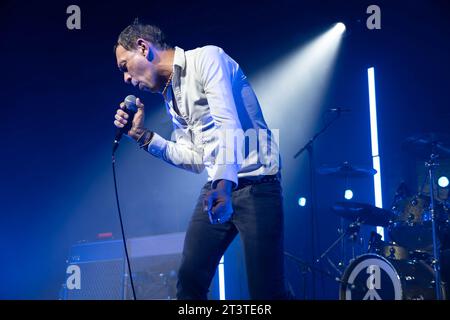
(98, 270)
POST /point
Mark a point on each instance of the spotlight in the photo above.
(340, 27)
(348, 194)
(443, 182)
(302, 201)
(314, 58)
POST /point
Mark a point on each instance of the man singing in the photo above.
(208, 98)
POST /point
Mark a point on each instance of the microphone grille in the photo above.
(130, 103)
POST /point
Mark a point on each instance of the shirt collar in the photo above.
(179, 58)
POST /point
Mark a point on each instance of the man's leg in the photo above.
(259, 218)
(204, 245)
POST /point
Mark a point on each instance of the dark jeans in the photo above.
(258, 217)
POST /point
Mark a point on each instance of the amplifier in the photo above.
(98, 270)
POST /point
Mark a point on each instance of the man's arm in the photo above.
(181, 153)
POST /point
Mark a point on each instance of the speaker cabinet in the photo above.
(98, 270)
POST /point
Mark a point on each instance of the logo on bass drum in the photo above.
(372, 279)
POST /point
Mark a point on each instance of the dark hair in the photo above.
(136, 30)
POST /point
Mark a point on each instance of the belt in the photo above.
(244, 182)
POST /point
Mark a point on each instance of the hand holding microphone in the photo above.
(129, 120)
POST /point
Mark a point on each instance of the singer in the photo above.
(208, 96)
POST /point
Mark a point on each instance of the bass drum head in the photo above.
(370, 277)
(373, 277)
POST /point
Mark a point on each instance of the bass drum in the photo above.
(373, 277)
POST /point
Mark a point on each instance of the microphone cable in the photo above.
(121, 227)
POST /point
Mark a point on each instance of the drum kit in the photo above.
(408, 265)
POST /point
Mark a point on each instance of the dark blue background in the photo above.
(60, 89)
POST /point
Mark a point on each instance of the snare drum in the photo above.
(389, 250)
(394, 252)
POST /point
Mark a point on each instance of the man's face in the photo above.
(137, 70)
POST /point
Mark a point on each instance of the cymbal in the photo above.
(347, 170)
(364, 213)
(423, 145)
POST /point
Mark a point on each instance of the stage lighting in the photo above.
(443, 182)
(308, 70)
(374, 142)
(302, 201)
(348, 194)
(221, 272)
(340, 27)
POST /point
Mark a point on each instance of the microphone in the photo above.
(130, 109)
(339, 110)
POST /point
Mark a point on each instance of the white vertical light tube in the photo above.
(221, 271)
(374, 141)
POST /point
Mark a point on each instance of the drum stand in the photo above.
(306, 267)
(352, 232)
(309, 146)
(431, 165)
(343, 256)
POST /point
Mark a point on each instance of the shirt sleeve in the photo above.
(216, 70)
(181, 152)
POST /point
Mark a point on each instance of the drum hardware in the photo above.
(365, 213)
(432, 146)
(411, 227)
(418, 255)
(375, 242)
(409, 267)
(346, 171)
(358, 214)
(303, 267)
(389, 250)
(351, 232)
(309, 146)
(436, 262)
(306, 268)
(338, 269)
(423, 145)
(393, 251)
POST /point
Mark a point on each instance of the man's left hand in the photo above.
(218, 202)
